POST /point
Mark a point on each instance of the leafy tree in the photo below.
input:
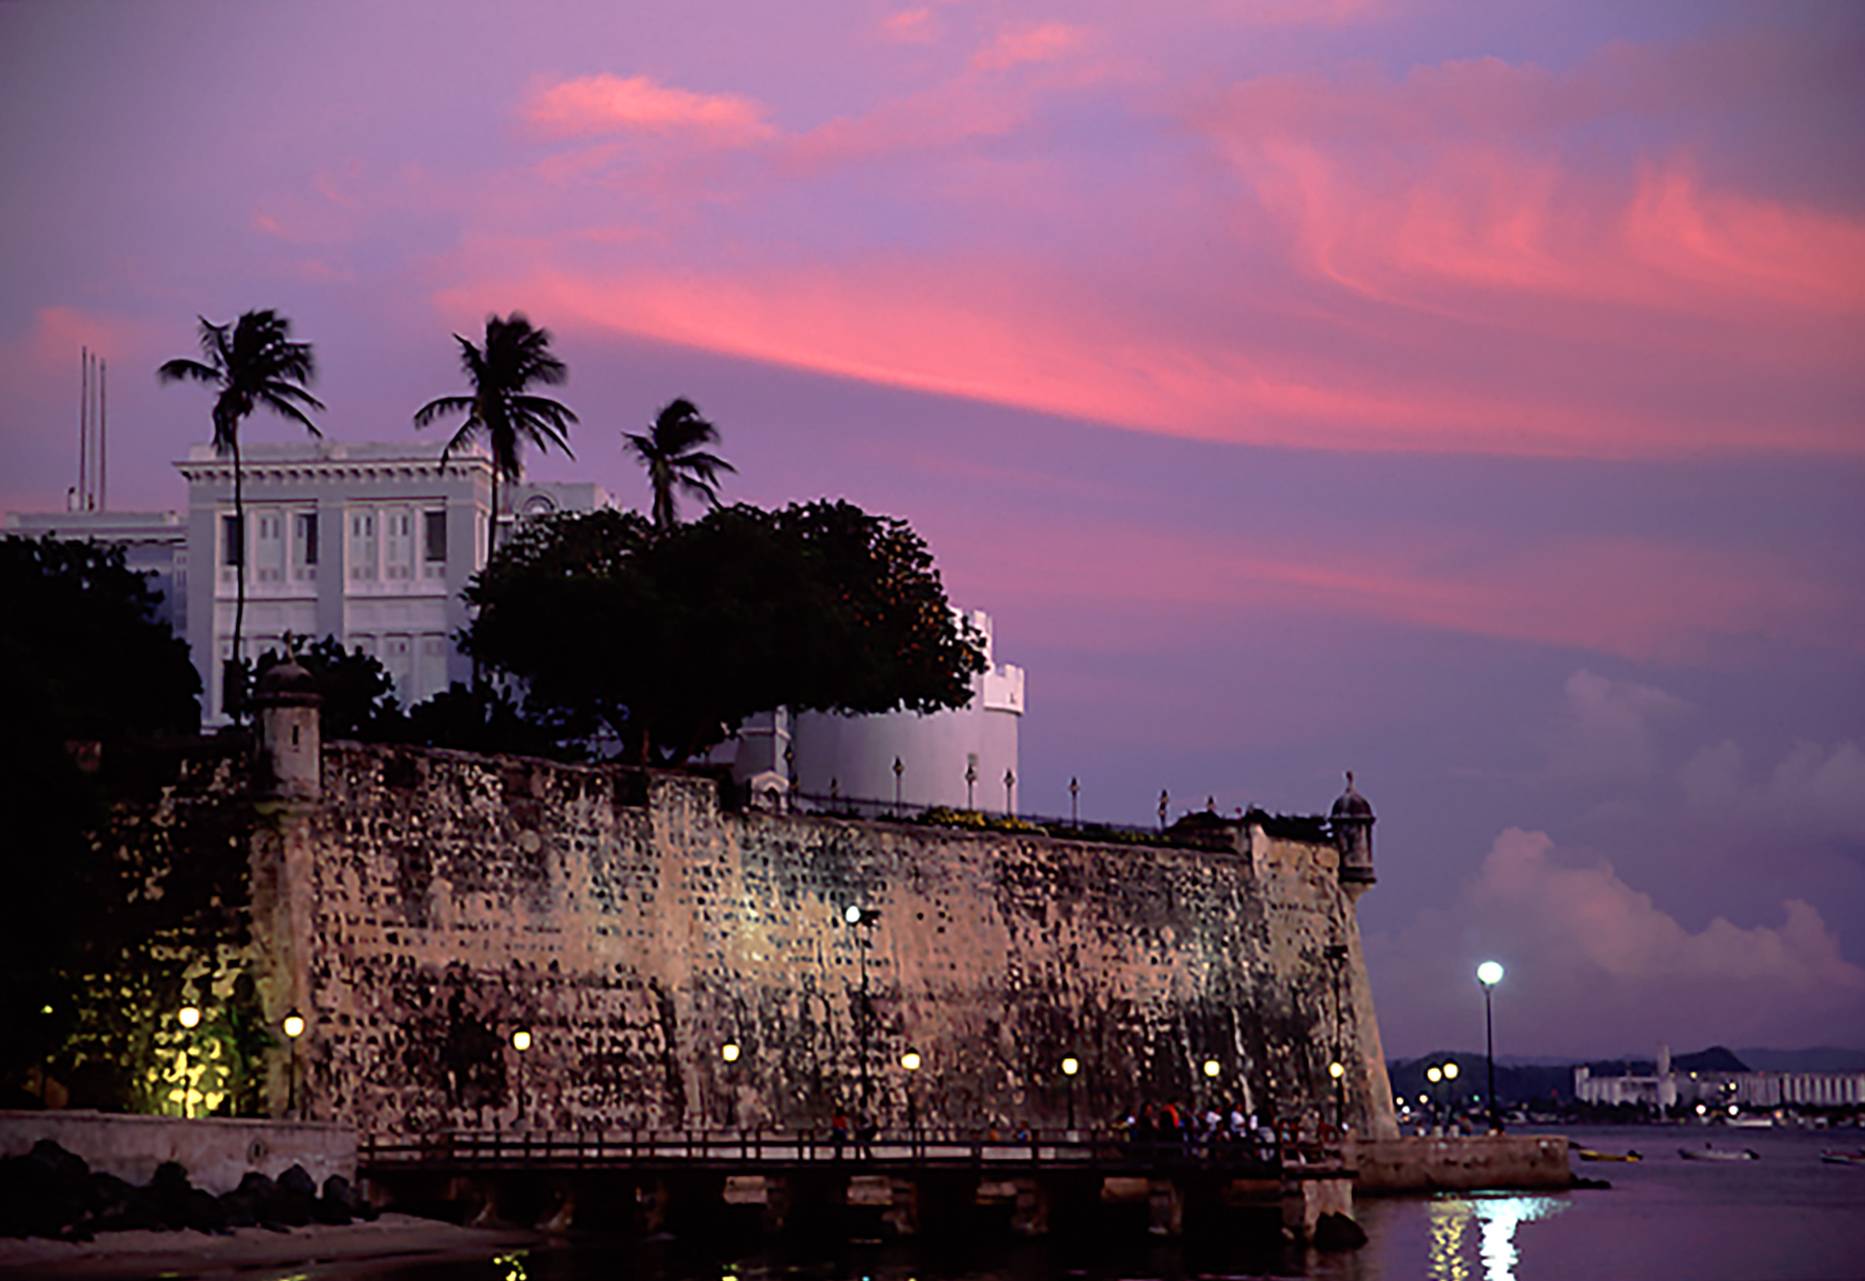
(358, 693)
(82, 657)
(673, 453)
(500, 409)
(478, 718)
(253, 362)
(668, 638)
(83, 648)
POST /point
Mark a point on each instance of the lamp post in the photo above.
(861, 920)
(910, 1063)
(189, 1016)
(1074, 802)
(1338, 1071)
(1488, 975)
(521, 1041)
(1071, 1068)
(293, 1026)
(1435, 1074)
(899, 769)
(729, 1054)
(1164, 801)
(1450, 1090)
(1010, 793)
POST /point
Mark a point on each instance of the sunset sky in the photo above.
(1472, 395)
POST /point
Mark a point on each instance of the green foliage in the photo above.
(82, 651)
(478, 719)
(500, 409)
(358, 693)
(668, 638)
(82, 657)
(673, 453)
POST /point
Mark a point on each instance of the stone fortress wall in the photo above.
(418, 906)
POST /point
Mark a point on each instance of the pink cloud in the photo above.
(908, 26)
(1576, 936)
(1430, 191)
(1006, 333)
(1632, 598)
(1029, 43)
(606, 104)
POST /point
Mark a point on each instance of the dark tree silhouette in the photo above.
(83, 658)
(499, 410)
(668, 638)
(673, 453)
(253, 362)
(358, 694)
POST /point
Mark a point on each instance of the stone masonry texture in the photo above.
(426, 904)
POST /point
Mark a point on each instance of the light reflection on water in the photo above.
(1497, 1219)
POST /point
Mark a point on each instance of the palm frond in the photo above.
(279, 405)
(442, 405)
(182, 369)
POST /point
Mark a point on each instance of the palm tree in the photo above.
(671, 452)
(253, 362)
(499, 409)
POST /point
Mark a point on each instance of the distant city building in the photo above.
(1668, 1087)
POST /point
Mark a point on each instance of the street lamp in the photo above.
(899, 769)
(1450, 1091)
(1071, 1068)
(1338, 1071)
(728, 1054)
(293, 1026)
(189, 1016)
(1435, 1074)
(521, 1041)
(1212, 1067)
(862, 919)
(1074, 802)
(910, 1062)
(1489, 974)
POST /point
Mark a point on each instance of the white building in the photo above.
(1668, 1087)
(960, 758)
(373, 544)
(369, 543)
(154, 543)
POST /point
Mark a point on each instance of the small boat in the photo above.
(1708, 1153)
(1831, 1157)
(1590, 1154)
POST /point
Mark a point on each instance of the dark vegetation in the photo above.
(82, 656)
(664, 638)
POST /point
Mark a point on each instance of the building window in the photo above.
(306, 543)
(434, 536)
(362, 545)
(232, 546)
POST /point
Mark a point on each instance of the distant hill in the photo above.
(1821, 1058)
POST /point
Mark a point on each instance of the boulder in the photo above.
(1338, 1232)
(168, 1194)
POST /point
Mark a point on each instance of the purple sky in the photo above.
(1469, 395)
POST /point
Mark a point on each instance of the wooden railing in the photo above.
(753, 1149)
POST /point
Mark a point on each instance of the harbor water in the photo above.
(1784, 1217)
